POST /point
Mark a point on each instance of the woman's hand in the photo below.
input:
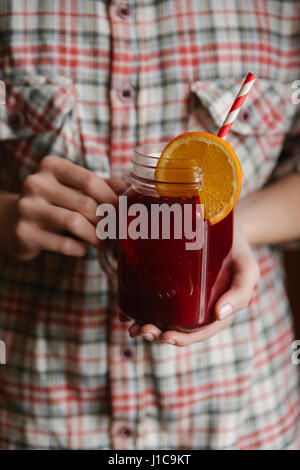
(57, 210)
(245, 276)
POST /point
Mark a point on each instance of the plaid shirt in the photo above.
(88, 80)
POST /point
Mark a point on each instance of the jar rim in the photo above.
(144, 162)
(159, 145)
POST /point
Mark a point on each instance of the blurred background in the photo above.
(292, 263)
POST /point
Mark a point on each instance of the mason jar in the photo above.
(172, 265)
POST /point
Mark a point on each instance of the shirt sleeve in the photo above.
(289, 159)
(289, 162)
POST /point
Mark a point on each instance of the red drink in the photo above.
(163, 283)
(160, 280)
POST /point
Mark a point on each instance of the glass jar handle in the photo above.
(108, 262)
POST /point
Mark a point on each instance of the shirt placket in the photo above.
(122, 349)
(123, 85)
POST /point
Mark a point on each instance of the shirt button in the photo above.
(126, 93)
(245, 115)
(123, 11)
(127, 432)
(128, 353)
(17, 120)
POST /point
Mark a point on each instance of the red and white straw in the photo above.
(238, 102)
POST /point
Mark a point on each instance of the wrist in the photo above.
(243, 220)
(240, 223)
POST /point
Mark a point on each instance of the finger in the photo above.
(57, 218)
(185, 339)
(134, 330)
(41, 239)
(47, 187)
(150, 332)
(79, 178)
(117, 185)
(64, 245)
(74, 200)
(245, 276)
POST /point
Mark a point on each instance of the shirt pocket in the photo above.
(258, 132)
(38, 118)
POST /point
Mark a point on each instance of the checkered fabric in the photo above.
(88, 80)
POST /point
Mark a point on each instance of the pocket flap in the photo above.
(34, 105)
(266, 108)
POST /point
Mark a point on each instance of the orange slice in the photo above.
(192, 155)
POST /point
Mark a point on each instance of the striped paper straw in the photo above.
(238, 102)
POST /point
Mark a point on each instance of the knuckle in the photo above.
(30, 184)
(86, 205)
(65, 246)
(74, 223)
(21, 230)
(88, 182)
(253, 275)
(23, 206)
(244, 300)
(47, 163)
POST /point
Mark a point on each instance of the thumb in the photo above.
(245, 276)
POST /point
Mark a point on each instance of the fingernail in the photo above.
(171, 341)
(148, 337)
(225, 311)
